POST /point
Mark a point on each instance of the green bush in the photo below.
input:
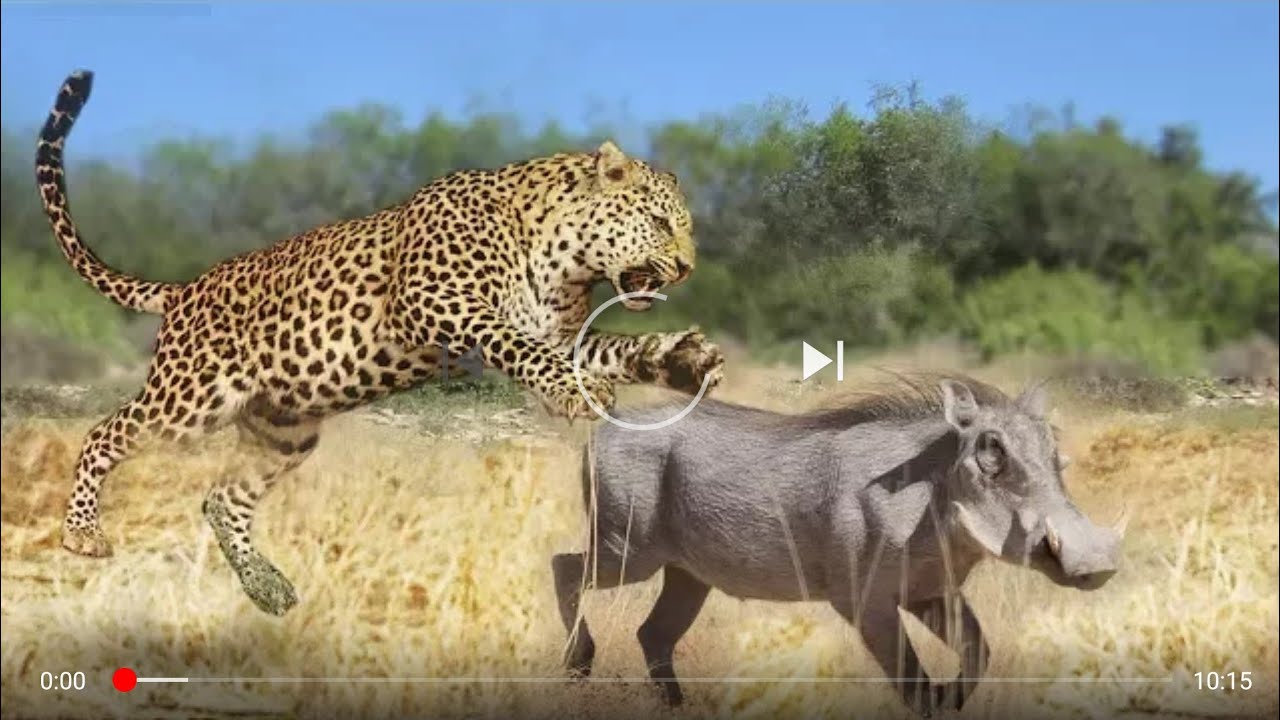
(1233, 292)
(51, 298)
(869, 298)
(1073, 313)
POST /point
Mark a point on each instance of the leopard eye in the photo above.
(663, 224)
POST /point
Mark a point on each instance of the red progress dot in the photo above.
(124, 679)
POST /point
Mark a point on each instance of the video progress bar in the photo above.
(633, 680)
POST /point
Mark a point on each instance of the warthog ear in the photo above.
(613, 167)
(958, 405)
(1034, 401)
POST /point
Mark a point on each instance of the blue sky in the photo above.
(237, 69)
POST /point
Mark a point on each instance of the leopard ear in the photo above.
(613, 167)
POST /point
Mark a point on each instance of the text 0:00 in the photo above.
(1224, 681)
(62, 681)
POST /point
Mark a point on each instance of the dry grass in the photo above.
(419, 556)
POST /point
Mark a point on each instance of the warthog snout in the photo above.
(1077, 553)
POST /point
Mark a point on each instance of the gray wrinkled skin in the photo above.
(888, 502)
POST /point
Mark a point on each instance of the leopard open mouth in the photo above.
(638, 279)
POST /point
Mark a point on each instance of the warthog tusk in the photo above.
(1051, 534)
(1121, 524)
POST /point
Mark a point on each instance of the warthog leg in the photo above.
(886, 639)
(568, 571)
(604, 569)
(959, 628)
(677, 607)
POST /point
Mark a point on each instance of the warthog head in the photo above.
(1007, 494)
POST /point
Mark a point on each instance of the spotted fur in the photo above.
(274, 341)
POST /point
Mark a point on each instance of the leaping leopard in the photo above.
(278, 339)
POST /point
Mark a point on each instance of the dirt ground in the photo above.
(424, 553)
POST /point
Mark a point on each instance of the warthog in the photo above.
(886, 503)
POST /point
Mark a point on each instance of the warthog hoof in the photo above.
(579, 657)
(266, 586)
(90, 541)
(672, 695)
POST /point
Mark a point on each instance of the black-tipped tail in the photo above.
(130, 292)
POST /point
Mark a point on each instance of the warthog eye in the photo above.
(990, 454)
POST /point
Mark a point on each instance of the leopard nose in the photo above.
(682, 271)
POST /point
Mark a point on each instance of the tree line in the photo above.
(908, 220)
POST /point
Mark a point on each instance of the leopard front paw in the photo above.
(692, 361)
(571, 401)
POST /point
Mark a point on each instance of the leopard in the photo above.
(501, 262)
